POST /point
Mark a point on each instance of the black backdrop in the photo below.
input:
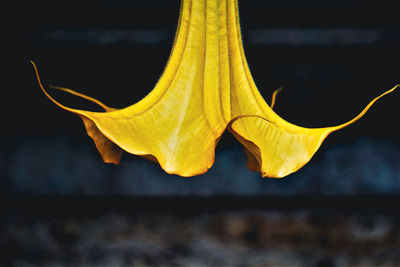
(331, 57)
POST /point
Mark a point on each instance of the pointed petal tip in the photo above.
(273, 98)
(364, 111)
(91, 99)
(391, 90)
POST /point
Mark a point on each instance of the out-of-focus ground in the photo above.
(61, 206)
(228, 238)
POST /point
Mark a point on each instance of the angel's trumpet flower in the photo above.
(205, 89)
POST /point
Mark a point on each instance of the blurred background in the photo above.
(62, 206)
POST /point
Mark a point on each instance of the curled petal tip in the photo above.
(274, 94)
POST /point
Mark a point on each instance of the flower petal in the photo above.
(276, 148)
(205, 88)
(110, 152)
(180, 121)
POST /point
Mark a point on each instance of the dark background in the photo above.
(62, 205)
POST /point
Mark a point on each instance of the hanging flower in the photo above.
(206, 88)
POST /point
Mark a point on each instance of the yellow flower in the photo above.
(205, 89)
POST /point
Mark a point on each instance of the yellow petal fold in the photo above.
(277, 149)
(205, 89)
